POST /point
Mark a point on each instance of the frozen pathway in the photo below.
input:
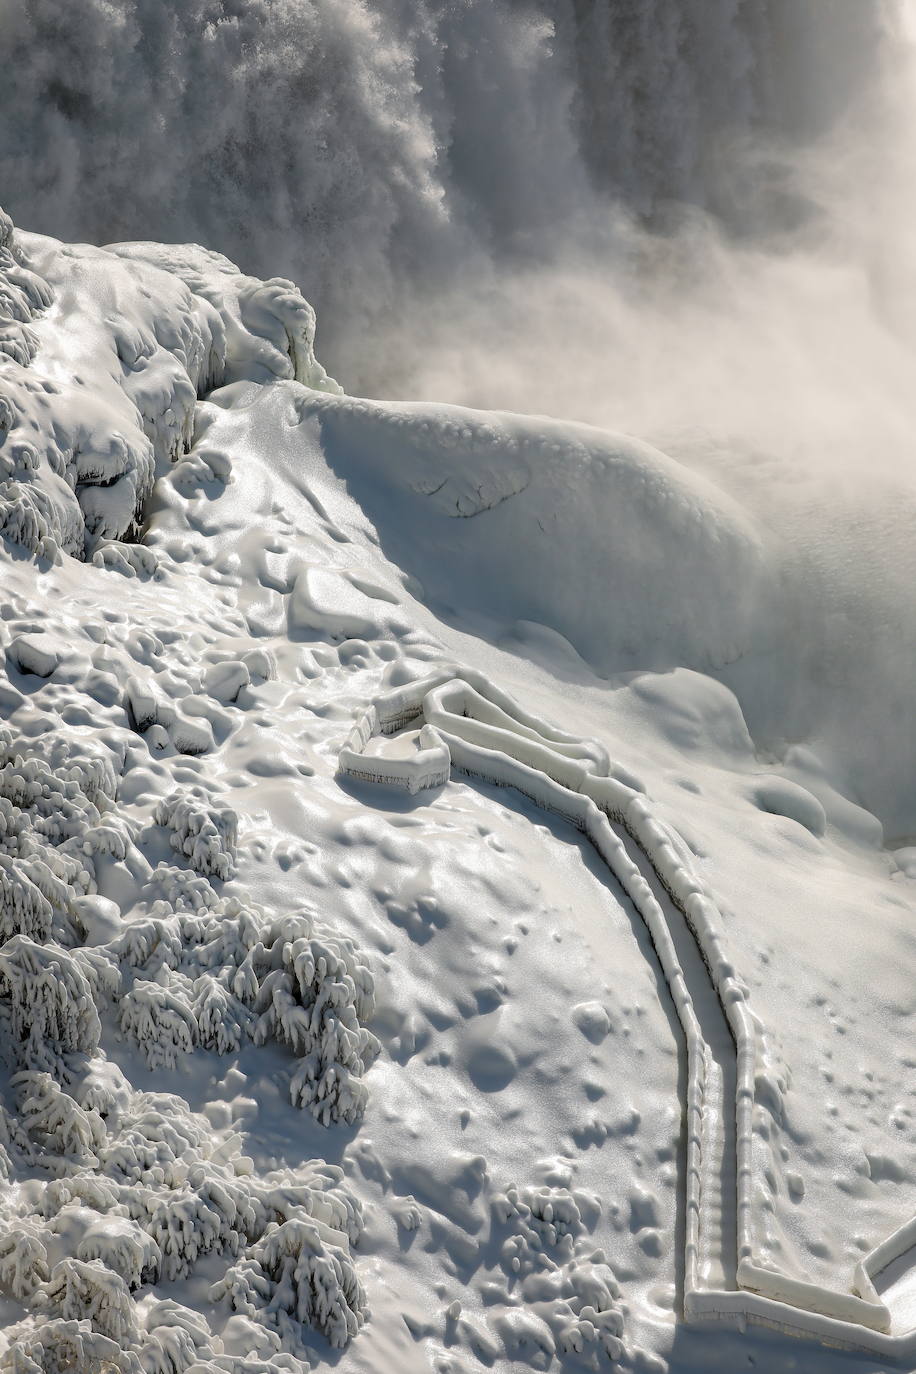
(717, 1227)
(468, 723)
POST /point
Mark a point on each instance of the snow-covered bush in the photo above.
(176, 1338)
(298, 1271)
(205, 836)
(87, 1290)
(24, 909)
(160, 1022)
(122, 1245)
(222, 1020)
(130, 560)
(55, 812)
(160, 1195)
(63, 1347)
(313, 994)
(91, 470)
(23, 295)
(217, 975)
(65, 1133)
(48, 999)
(23, 1258)
(560, 1297)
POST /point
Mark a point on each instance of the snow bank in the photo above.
(513, 518)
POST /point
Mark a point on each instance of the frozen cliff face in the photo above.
(104, 356)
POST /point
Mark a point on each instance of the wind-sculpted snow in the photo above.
(456, 494)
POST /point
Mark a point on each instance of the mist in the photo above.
(691, 222)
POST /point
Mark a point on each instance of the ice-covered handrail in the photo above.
(471, 725)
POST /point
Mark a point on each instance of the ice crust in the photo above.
(250, 596)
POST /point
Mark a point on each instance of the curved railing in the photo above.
(468, 723)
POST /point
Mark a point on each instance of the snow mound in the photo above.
(635, 560)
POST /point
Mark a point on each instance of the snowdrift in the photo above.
(633, 559)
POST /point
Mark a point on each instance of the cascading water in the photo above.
(370, 149)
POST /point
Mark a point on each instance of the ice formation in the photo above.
(83, 489)
(438, 163)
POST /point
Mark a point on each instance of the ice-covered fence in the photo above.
(429, 767)
(478, 729)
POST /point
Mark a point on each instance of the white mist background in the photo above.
(689, 221)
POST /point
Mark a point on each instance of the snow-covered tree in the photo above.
(298, 1273)
(87, 1290)
(313, 994)
(56, 1346)
(23, 1257)
(160, 1022)
(49, 1001)
(66, 1135)
(204, 835)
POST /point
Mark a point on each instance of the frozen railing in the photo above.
(470, 724)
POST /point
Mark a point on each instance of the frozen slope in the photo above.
(198, 905)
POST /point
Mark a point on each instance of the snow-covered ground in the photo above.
(305, 1069)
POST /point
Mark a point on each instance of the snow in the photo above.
(408, 950)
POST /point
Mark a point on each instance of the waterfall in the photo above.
(367, 147)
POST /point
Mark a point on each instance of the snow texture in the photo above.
(208, 921)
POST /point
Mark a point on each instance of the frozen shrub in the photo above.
(297, 1271)
(186, 1226)
(205, 837)
(52, 818)
(151, 944)
(50, 1002)
(85, 1290)
(222, 1020)
(313, 994)
(63, 1347)
(23, 1258)
(160, 1023)
(122, 1246)
(65, 1134)
(176, 1338)
(24, 909)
